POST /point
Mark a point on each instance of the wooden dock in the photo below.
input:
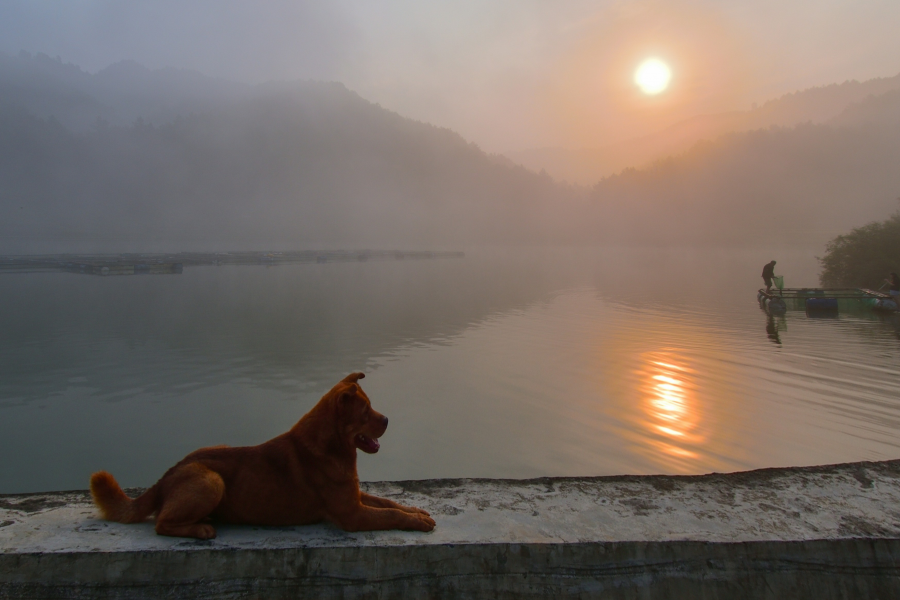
(826, 299)
(167, 264)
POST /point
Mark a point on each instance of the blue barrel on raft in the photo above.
(826, 304)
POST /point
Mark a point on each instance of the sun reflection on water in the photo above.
(669, 402)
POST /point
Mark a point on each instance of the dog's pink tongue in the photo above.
(370, 444)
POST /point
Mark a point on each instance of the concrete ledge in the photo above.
(814, 532)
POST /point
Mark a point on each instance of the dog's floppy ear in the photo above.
(353, 377)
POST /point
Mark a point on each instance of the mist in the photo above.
(220, 125)
(544, 257)
(174, 157)
(136, 159)
(507, 75)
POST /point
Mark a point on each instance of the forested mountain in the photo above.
(134, 159)
(290, 165)
(815, 105)
(800, 185)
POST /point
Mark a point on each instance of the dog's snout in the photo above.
(384, 421)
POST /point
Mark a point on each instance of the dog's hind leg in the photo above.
(190, 494)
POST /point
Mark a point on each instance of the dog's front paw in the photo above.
(413, 510)
(422, 522)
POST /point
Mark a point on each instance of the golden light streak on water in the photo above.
(672, 395)
(668, 398)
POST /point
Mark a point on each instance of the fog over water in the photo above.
(603, 319)
(500, 364)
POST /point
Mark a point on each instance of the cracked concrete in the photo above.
(793, 529)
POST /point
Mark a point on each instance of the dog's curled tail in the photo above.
(115, 506)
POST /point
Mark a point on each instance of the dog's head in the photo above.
(360, 424)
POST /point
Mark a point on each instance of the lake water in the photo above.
(514, 364)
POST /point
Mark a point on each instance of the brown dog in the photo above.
(304, 476)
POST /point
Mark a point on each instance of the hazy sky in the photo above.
(507, 74)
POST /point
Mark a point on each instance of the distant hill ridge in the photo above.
(817, 105)
(133, 159)
(135, 156)
(118, 94)
(779, 186)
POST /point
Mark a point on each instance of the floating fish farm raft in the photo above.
(163, 264)
(825, 300)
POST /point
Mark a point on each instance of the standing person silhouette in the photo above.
(768, 274)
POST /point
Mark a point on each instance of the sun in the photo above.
(653, 76)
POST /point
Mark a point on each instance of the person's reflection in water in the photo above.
(772, 329)
(895, 321)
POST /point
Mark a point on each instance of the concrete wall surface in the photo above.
(810, 532)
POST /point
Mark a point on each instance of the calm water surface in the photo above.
(502, 364)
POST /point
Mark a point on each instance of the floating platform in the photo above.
(826, 300)
(822, 533)
(166, 264)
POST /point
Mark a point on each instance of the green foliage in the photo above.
(863, 257)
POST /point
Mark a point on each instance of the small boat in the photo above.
(818, 300)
